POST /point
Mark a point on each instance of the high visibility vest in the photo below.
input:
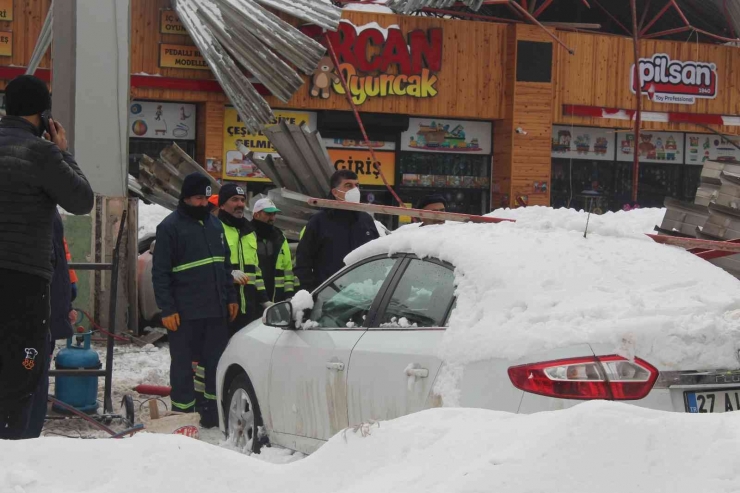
(286, 283)
(244, 257)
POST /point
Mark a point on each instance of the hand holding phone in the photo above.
(54, 131)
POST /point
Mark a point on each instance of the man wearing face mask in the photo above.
(37, 173)
(276, 262)
(194, 289)
(245, 270)
(331, 234)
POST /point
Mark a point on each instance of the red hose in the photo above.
(147, 389)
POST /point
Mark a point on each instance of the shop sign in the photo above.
(704, 147)
(596, 144)
(237, 166)
(455, 136)
(6, 10)
(6, 44)
(361, 162)
(654, 147)
(359, 144)
(676, 82)
(155, 120)
(181, 56)
(379, 63)
(169, 23)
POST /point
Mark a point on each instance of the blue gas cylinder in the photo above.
(78, 392)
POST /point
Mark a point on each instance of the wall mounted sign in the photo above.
(181, 56)
(674, 81)
(654, 147)
(456, 136)
(596, 144)
(361, 162)
(236, 165)
(155, 120)
(706, 147)
(358, 144)
(6, 10)
(379, 62)
(6, 44)
(169, 23)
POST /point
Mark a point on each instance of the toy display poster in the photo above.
(707, 147)
(654, 147)
(597, 144)
(453, 136)
(155, 120)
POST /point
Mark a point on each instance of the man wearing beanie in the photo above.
(194, 289)
(37, 174)
(244, 260)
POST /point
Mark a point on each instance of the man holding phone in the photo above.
(37, 174)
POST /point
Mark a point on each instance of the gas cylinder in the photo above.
(79, 392)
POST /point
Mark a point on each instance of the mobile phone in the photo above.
(45, 116)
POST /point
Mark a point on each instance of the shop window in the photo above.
(533, 61)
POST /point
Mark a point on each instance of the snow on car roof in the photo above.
(538, 284)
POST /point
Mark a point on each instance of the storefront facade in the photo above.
(486, 114)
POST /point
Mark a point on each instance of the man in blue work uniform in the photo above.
(194, 289)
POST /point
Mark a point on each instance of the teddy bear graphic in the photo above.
(323, 77)
(29, 362)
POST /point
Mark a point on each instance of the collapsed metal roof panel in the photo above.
(408, 6)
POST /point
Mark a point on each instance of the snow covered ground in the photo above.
(149, 218)
(598, 446)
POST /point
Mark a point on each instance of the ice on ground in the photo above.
(538, 284)
(150, 215)
(597, 446)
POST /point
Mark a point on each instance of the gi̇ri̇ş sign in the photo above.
(379, 62)
(673, 81)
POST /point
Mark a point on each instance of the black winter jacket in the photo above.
(35, 176)
(191, 272)
(61, 288)
(329, 237)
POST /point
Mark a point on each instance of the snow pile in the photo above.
(149, 218)
(598, 446)
(301, 302)
(538, 284)
(377, 6)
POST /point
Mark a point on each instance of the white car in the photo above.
(371, 352)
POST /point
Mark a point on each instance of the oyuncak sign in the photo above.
(379, 62)
(674, 81)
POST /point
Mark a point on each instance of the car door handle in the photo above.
(335, 365)
(417, 372)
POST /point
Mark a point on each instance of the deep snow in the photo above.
(149, 218)
(597, 446)
(538, 284)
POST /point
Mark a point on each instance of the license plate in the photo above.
(715, 401)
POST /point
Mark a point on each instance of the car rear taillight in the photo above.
(603, 377)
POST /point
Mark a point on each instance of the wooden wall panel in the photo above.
(599, 75)
(28, 18)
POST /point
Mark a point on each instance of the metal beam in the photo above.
(638, 91)
(609, 14)
(542, 8)
(535, 21)
(657, 17)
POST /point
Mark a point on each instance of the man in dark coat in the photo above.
(62, 318)
(36, 175)
(433, 203)
(194, 289)
(332, 234)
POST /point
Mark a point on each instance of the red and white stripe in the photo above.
(650, 116)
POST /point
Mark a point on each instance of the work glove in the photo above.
(240, 277)
(172, 322)
(233, 311)
(267, 304)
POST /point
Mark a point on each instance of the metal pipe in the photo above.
(90, 266)
(43, 42)
(469, 15)
(638, 91)
(78, 373)
(609, 14)
(542, 8)
(535, 21)
(645, 13)
(657, 17)
(108, 401)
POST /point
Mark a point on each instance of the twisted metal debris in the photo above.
(231, 34)
(408, 6)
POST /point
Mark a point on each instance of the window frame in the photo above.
(391, 288)
(391, 278)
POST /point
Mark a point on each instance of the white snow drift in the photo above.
(538, 284)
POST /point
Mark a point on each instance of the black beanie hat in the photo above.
(229, 190)
(195, 184)
(27, 95)
(431, 199)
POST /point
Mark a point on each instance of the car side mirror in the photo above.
(279, 315)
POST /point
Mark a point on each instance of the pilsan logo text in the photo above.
(673, 81)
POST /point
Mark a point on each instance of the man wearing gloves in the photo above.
(244, 260)
(194, 289)
(273, 252)
(331, 234)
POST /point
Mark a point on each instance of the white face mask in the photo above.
(352, 196)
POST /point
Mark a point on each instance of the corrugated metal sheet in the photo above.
(408, 6)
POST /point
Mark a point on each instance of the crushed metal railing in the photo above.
(258, 40)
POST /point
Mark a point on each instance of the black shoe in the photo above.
(209, 416)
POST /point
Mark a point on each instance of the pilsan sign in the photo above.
(379, 62)
(673, 81)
